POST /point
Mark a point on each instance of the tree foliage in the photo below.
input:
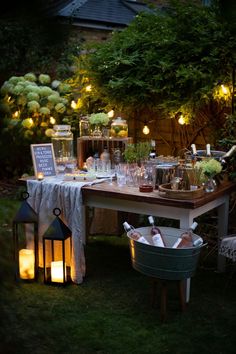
(165, 61)
(31, 41)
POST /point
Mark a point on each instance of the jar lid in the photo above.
(61, 127)
(119, 120)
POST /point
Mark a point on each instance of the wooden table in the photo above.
(129, 199)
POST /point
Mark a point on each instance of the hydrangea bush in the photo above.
(34, 104)
(30, 106)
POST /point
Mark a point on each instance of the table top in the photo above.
(107, 190)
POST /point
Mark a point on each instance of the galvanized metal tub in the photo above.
(164, 263)
(202, 154)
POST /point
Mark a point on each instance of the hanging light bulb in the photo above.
(146, 130)
(111, 113)
(181, 120)
(88, 88)
(73, 104)
(52, 120)
(16, 114)
(225, 89)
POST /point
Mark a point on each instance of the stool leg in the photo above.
(163, 300)
(181, 289)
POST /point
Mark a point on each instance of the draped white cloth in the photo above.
(52, 193)
(228, 247)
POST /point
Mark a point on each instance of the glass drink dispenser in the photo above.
(62, 140)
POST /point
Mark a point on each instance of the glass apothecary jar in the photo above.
(62, 140)
(119, 128)
(84, 126)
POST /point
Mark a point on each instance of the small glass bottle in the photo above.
(152, 154)
(105, 155)
(134, 234)
(157, 236)
(186, 239)
(105, 159)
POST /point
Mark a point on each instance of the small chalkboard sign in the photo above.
(43, 159)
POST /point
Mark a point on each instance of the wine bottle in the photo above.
(134, 234)
(208, 150)
(194, 155)
(229, 153)
(186, 240)
(157, 236)
(225, 160)
(194, 150)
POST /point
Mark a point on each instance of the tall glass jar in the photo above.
(84, 126)
(62, 140)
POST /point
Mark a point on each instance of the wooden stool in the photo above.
(163, 295)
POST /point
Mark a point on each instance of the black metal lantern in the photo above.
(25, 245)
(57, 244)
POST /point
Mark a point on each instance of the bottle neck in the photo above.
(208, 149)
(194, 150)
(193, 227)
(151, 220)
(127, 227)
(230, 152)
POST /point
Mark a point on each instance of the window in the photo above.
(207, 2)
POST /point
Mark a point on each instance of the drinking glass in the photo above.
(121, 172)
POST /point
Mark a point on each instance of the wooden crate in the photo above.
(87, 146)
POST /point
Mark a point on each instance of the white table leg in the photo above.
(223, 216)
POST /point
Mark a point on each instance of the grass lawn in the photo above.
(111, 312)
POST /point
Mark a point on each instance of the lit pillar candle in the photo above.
(26, 264)
(57, 272)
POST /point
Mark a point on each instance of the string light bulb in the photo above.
(52, 120)
(111, 113)
(181, 120)
(225, 89)
(16, 114)
(88, 88)
(146, 130)
(73, 104)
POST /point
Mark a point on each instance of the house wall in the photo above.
(90, 35)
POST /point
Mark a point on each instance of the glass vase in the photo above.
(96, 131)
(210, 185)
